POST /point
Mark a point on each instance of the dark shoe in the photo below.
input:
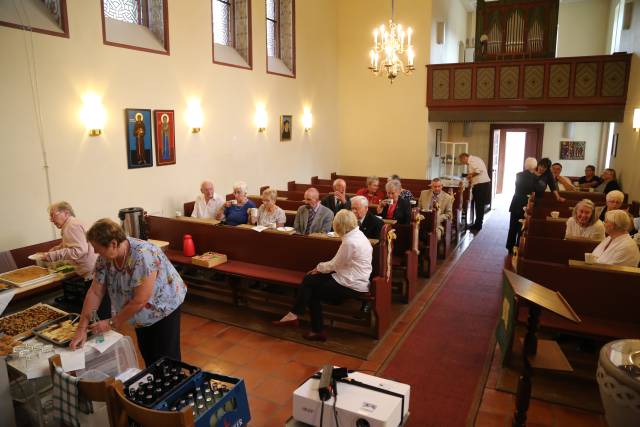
(312, 336)
(294, 322)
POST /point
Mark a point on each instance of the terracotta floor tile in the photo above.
(345, 361)
(314, 357)
(497, 402)
(286, 349)
(220, 366)
(213, 346)
(570, 417)
(293, 371)
(194, 357)
(370, 367)
(251, 376)
(490, 419)
(209, 329)
(259, 340)
(261, 411)
(267, 362)
(188, 322)
(275, 390)
(189, 340)
(239, 354)
(233, 334)
(540, 412)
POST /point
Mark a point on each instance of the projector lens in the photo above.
(362, 423)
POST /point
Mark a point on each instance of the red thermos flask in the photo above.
(188, 248)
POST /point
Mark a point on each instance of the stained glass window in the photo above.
(272, 28)
(123, 10)
(222, 22)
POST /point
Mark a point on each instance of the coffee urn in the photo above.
(132, 221)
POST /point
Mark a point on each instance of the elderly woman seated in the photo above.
(345, 276)
(372, 191)
(609, 182)
(404, 193)
(584, 223)
(394, 207)
(618, 248)
(270, 215)
(236, 211)
(614, 200)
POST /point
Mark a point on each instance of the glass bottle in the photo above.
(95, 319)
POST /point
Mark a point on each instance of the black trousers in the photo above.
(318, 288)
(104, 310)
(160, 339)
(481, 195)
(515, 227)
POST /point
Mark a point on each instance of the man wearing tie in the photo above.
(313, 217)
(438, 200)
(339, 199)
(369, 224)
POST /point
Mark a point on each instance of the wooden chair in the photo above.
(96, 391)
(125, 410)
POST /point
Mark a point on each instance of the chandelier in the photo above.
(389, 46)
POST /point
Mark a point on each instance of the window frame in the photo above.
(293, 39)
(165, 19)
(64, 20)
(276, 27)
(249, 61)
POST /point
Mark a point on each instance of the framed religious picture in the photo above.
(165, 141)
(572, 150)
(139, 130)
(285, 128)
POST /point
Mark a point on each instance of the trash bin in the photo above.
(618, 377)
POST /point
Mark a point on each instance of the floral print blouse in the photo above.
(143, 259)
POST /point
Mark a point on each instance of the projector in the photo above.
(362, 401)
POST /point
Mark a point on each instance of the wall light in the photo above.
(307, 119)
(194, 115)
(261, 118)
(636, 119)
(92, 114)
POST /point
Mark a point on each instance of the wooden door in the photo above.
(494, 159)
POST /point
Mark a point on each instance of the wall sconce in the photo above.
(194, 115)
(307, 120)
(261, 118)
(93, 114)
(636, 119)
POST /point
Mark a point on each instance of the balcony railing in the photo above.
(587, 88)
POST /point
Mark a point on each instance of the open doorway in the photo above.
(510, 145)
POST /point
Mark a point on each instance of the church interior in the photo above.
(439, 196)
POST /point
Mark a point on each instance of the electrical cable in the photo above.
(335, 400)
(321, 412)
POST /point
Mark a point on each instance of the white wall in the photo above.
(91, 172)
(454, 15)
(582, 28)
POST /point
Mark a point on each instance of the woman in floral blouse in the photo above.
(144, 287)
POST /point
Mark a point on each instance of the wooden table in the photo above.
(327, 237)
(199, 220)
(48, 285)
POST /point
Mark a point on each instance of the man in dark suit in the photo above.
(370, 224)
(338, 199)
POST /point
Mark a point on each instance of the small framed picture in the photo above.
(139, 148)
(165, 137)
(438, 139)
(285, 128)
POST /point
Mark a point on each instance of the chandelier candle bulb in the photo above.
(409, 31)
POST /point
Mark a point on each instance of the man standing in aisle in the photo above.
(480, 186)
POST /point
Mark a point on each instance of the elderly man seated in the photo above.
(208, 203)
(564, 183)
(590, 179)
(338, 199)
(439, 200)
(369, 224)
(312, 217)
(609, 182)
(618, 248)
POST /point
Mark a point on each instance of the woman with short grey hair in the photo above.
(618, 248)
(584, 223)
(404, 193)
(394, 207)
(269, 214)
(236, 210)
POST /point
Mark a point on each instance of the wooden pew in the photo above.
(293, 186)
(559, 251)
(270, 257)
(405, 257)
(427, 244)
(544, 228)
(605, 300)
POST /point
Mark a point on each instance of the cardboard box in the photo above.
(209, 259)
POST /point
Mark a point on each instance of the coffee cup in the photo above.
(253, 213)
(555, 214)
(590, 258)
(234, 202)
(389, 201)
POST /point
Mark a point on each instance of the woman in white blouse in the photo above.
(584, 222)
(346, 275)
(619, 248)
(270, 215)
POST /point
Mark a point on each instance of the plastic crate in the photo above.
(156, 371)
(230, 410)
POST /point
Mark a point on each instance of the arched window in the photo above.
(232, 32)
(281, 44)
(39, 16)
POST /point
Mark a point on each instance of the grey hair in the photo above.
(344, 222)
(271, 193)
(530, 163)
(338, 180)
(372, 178)
(240, 185)
(436, 180)
(361, 199)
(394, 184)
(61, 207)
(394, 176)
(589, 204)
(615, 195)
(619, 218)
(206, 181)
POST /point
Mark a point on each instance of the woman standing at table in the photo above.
(144, 287)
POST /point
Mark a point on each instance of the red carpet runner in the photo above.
(444, 355)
